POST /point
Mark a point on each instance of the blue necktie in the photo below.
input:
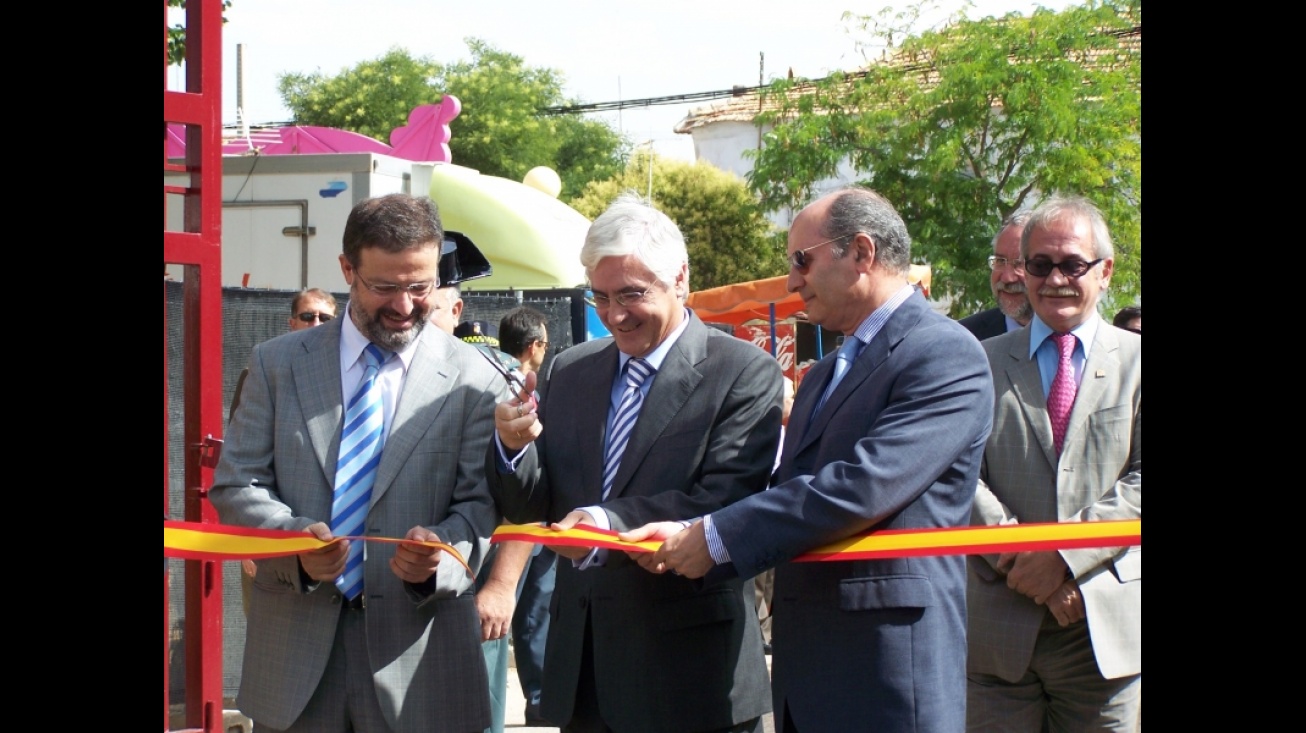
(637, 370)
(360, 453)
(842, 363)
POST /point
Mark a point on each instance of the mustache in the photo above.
(392, 313)
(1061, 292)
(1016, 288)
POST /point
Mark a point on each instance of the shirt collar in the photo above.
(868, 328)
(352, 343)
(658, 355)
(1084, 333)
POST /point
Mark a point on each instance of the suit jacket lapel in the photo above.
(591, 398)
(426, 387)
(1028, 386)
(671, 388)
(1101, 367)
(317, 385)
(872, 357)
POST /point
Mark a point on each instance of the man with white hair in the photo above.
(668, 419)
(1056, 636)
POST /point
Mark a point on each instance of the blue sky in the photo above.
(618, 49)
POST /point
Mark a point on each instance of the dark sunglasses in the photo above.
(310, 317)
(798, 260)
(1072, 269)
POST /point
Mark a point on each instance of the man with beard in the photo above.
(1008, 282)
(369, 425)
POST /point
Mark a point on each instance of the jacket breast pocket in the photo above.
(885, 592)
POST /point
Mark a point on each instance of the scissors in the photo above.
(515, 383)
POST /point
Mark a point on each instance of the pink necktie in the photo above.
(1062, 395)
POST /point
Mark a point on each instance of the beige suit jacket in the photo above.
(1098, 476)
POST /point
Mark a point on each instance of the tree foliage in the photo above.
(728, 237)
(498, 132)
(177, 33)
(963, 125)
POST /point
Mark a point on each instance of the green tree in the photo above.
(177, 33)
(728, 237)
(372, 98)
(961, 126)
(498, 132)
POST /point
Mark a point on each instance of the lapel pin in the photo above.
(1099, 374)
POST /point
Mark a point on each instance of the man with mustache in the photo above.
(1008, 283)
(1055, 637)
(369, 425)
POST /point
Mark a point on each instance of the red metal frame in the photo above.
(198, 250)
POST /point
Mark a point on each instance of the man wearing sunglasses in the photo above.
(1056, 636)
(311, 307)
(885, 435)
(1007, 278)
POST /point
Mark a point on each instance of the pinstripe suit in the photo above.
(1099, 475)
(669, 656)
(277, 471)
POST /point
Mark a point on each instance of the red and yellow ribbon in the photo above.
(884, 543)
(199, 541)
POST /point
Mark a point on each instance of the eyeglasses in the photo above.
(798, 258)
(542, 342)
(625, 300)
(416, 291)
(309, 317)
(1002, 263)
(1072, 269)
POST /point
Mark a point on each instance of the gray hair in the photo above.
(631, 226)
(855, 209)
(1058, 208)
(1016, 219)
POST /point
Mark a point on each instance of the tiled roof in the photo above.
(745, 106)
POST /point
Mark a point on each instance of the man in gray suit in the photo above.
(1056, 637)
(383, 637)
(1007, 278)
(889, 439)
(629, 651)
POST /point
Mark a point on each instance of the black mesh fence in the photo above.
(250, 317)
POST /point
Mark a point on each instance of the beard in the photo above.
(1018, 312)
(371, 325)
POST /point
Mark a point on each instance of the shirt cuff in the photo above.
(507, 465)
(598, 556)
(715, 547)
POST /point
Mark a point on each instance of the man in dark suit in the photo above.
(383, 638)
(1007, 278)
(629, 651)
(891, 439)
(1056, 637)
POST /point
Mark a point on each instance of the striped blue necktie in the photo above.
(637, 370)
(842, 363)
(360, 453)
